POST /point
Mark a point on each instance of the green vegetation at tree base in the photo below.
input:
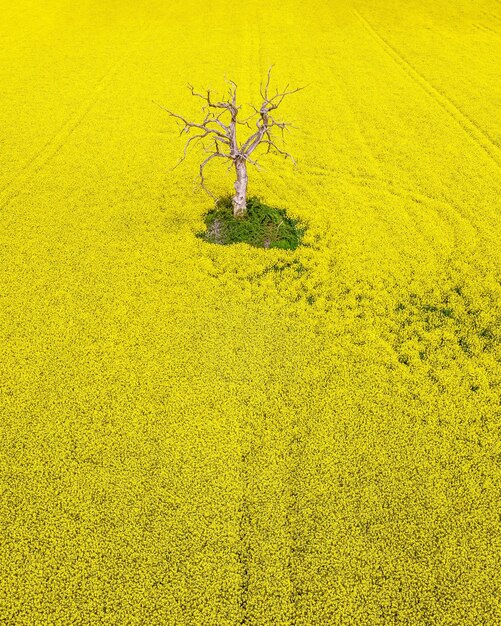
(262, 227)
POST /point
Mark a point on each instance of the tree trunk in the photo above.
(240, 197)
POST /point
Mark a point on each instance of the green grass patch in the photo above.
(262, 227)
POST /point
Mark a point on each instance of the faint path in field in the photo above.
(486, 29)
(474, 131)
(402, 191)
(492, 15)
(365, 146)
(378, 182)
(49, 150)
(442, 207)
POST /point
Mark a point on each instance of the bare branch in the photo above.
(251, 143)
(264, 94)
(200, 95)
(268, 134)
(180, 117)
(194, 138)
(273, 145)
(271, 105)
(246, 120)
(214, 105)
(202, 166)
(189, 125)
(221, 133)
(233, 92)
(255, 163)
(217, 121)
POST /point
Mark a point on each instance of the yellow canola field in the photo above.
(194, 434)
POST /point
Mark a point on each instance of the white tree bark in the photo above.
(240, 197)
(224, 135)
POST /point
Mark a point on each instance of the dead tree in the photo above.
(219, 128)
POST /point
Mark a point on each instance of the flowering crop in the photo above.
(221, 435)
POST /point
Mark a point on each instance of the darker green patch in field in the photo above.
(262, 227)
(446, 312)
(465, 346)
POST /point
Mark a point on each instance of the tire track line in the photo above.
(491, 16)
(379, 184)
(469, 126)
(487, 29)
(49, 150)
(375, 181)
(365, 145)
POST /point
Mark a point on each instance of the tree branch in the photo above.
(189, 125)
(272, 144)
(225, 134)
(202, 166)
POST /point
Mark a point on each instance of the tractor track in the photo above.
(474, 132)
(50, 149)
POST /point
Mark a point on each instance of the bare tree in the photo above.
(219, 128)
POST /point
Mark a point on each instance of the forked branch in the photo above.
(223, 134)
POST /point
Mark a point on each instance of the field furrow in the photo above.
(470, 128)
(198, 434)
